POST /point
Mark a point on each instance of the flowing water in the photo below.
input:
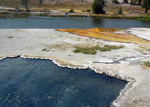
(70, 22)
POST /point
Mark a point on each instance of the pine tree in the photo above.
(115, 2)
(125, 1)
(146, 5)
(120, 11)
(139, 2)
(25, 3)
(98, 6)
(40, 3)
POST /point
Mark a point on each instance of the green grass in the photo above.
(147, 64)
(144, 18)
(93, 50)
(85, 50)
(71, 11)
(10, 37)
(45, 49)
(14, 15)
(88, 10)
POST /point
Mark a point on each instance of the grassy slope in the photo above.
(34, 3)
(79, 7)
(10, 3)
(69, 5)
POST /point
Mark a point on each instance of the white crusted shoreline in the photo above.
(30, 42)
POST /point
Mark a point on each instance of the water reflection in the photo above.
(97, 21)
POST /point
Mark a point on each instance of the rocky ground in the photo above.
(126, 63)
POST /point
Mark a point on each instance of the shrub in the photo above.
(88, 10)
(147, 64)
(120, 11)
(93, 50)
(85, 50)
(71, 11)
(10, 37)
(45, 49)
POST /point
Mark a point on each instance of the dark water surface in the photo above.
(70, 22)
(40, 83)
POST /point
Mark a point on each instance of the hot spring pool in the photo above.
(41, 83)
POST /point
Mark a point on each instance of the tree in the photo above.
(139, 2)
(125, 1)
(120, 11)
(40, 3)
(25, 3)
(133, 2)
(146, 5)
(98, 6)
(136, 2)
(115, 2)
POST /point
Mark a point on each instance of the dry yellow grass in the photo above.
(67, 5)
(107, 34)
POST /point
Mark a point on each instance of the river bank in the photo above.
(57, 13)
(126, 63)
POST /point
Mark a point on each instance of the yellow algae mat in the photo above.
(107, 34)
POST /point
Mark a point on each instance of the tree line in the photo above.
(98, 5)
